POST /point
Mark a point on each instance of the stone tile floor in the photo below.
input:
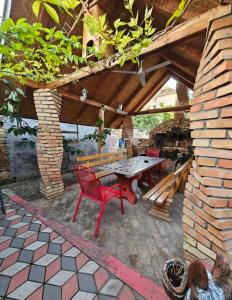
(140, 240)
(38, 263)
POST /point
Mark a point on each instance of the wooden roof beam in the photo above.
(162, 110)
(72, 96)
(182, 76)
(181, 64)
(151, 92)
(176, 35)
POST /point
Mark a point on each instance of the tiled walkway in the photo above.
(36, 262)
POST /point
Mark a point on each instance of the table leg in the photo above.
(147, 177)
(127, 190)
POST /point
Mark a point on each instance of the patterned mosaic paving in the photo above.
(37, 263)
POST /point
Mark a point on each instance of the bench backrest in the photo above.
(101, 159)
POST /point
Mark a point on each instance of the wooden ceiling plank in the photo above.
(176, 35)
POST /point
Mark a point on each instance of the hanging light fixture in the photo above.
(84, 95)
(119, 108)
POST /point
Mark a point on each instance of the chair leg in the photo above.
(77, 208)
(121, 203)
(99, 220)
(2, 203)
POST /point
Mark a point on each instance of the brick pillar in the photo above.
(127, 134)
(182, 99)
(207, 216)
(4, 161)
(49, 142)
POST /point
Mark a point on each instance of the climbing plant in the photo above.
(32, 52)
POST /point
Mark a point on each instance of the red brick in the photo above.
(225, 144)
(211, 162)
(228, 184)
(226, 112)
(219, 102)
(205, 97)
(219, 192)
(205, 233)
(197, 125)
(196, 108)
(225, 90)
(224, 66)
(193, 216)
(211, 181)
(201, 143)
(222, 79)
(212, 114)
(211, 152)
(214, 133)
(193, 233)
(212, 172)
(225, 163)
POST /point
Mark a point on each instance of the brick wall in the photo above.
(127, 134)
(49, 142)
(169, 165)
(182, 99)
(4, 162)
(207, 217)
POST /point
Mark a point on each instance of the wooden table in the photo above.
(128, 170)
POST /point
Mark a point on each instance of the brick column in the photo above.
(4, 161)
(207, 217)
(49, 142)
(127, 134)
(182, 99)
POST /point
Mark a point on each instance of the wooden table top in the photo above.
(133, 166)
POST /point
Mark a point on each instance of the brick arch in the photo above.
(166, 126)
(207, 215)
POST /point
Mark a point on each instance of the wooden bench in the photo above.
(97, 160)
(161, 195)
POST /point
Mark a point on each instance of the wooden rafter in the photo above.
(175, 36)
(72, 96)
(153, 92)
(181, 63)
(162, 110)
(182, 76)
(153, 89)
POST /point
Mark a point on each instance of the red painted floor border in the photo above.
(141, 284)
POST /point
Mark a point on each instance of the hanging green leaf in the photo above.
(52, 13)
(177, 13)
(36, 7)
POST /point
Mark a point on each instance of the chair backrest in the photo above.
(89, 184)
(153, 152)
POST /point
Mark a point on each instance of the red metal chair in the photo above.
(92, 189)
(154, 152)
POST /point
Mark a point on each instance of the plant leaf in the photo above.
(52, 13)
(36, 7)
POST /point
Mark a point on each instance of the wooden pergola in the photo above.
(199, 49)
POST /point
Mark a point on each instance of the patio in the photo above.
(36, 262)
(138, 239)
(76, 71)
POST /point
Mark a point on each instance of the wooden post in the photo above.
(101, 129)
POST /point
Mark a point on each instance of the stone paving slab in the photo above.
(44, 269)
